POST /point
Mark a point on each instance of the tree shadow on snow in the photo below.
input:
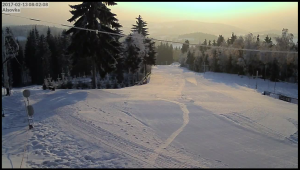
(49, 102)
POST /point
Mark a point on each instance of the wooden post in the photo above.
(204, 67)
(256, 79)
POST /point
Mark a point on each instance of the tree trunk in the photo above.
(145, 69)
(95, 75)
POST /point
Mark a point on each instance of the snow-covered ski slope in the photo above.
(180, 119)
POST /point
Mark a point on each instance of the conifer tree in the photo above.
(17, 65)
(190, 59)
(233, 38)
(214, 43)
(95, 16)
(132, 59)
(54, 65)
(43, 59)
(140, 26)
(220, 40)
(30, 55)
(268, 40)
(185, 46)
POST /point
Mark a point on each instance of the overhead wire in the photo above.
(123, 35)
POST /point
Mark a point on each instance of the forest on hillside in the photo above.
(50, 51)
(231, 56)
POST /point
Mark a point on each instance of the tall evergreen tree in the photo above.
(64, 58)
(220, 40)
(228, 41)
(140, 26)
(229, 65)
(171, 54)
(17, 65)
(54, 65)
(214, 43)
(30, 55)
(190, 59)
(268, 40)
(274, 70)
(233, 38)
(185, 46)
(95, 16)
(203, 49)
(149, 57)
(132, 59)
(43, 58)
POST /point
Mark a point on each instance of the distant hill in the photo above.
(273, 34)
(171, 30)
(197, 37)
(187, 26)
(21, 31)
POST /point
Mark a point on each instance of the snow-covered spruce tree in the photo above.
(140, 27)
(54, 71)
(214, 43)
(220, 40)
(232, 39)
(213, 57)
(185, 47)
(64, 58)
(284, 43)
(238, 55)
(184, 53)
(190, 60)
(266, 57)
(132, 58)
(198, 62)
(120, 67)
(251, 57)
(103, 49)
(149, 56)
(150, 59)
(30, 56)
(139, 42)
(202, 48)
(223, 58)
(43, 58)
(18, 70)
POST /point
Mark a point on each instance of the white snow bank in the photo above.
(181, 119)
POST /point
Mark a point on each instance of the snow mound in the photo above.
(175, 64)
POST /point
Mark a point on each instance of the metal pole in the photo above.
(265, 73)
(5, 74)
(256, 79)
(274, 85)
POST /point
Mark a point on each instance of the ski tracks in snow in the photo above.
(170, 139)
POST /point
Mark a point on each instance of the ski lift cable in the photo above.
(200, 45)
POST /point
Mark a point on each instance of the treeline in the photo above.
(77, 51)
(164, 54)
(270, 64)
(42, 56)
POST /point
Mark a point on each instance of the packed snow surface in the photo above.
(180, 119)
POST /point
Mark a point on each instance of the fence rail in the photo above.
(144, 80)
(281, 97)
